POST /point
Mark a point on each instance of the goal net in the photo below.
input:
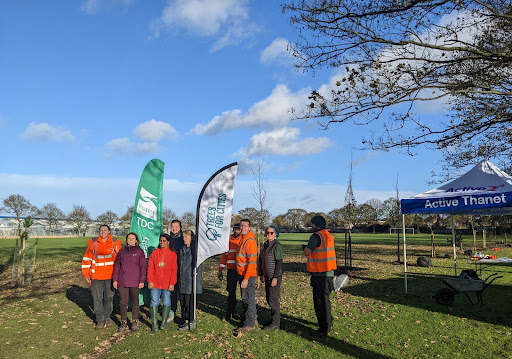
(400, 229)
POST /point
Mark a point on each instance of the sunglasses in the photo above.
(269, 232)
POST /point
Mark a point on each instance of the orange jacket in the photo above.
(99, 258)
(228, 259)
(323, 258)
(247, 256)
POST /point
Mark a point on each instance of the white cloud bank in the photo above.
(272, 112)
(44, 132)
(284, 142)
(99, 195)
(227, 20)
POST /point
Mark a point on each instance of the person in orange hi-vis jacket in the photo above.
(321, 264)
(247, 270)
(228, 260)
(97, 268)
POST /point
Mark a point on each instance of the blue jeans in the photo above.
(157, 293)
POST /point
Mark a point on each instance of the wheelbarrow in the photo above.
(463, 284)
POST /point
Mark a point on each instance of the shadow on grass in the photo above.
(82, 298)
(422, 288)
(214, 303)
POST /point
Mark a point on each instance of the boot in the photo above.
(135, 325)
(165, 314)
(154, 318)
(123, 326)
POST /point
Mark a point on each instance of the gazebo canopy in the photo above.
(483, 190)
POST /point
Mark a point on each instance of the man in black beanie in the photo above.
(321, 265)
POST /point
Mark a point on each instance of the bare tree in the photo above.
(18, 206)
(109, 218)
(51, 216)
(395, 54)
(259, 194)
(125, 221)
(168, 215)
(79, 218)
(188, 221)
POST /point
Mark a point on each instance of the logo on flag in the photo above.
(146, 207)
(214, 213)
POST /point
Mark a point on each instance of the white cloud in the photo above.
(125, 146)
(148, 133)
(277, 52)
(154, 131)
(119, 145)
(43, 132)
(93, 7)
(227, 19)
(284, 142)
(271, 112)
(96, 194)
(117, 194)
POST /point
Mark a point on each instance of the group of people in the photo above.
(169, 273)
(244, 265)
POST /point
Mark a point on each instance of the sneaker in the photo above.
(99, 325)
(192, 325)
(107, 323)
(184, 327)
(246, 329)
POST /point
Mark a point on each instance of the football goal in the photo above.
(399, 230)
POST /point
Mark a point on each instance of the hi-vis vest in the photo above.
(247, 256)
(323, 258)
(99, 258)
(228, 259)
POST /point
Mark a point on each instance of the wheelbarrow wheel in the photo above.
(444, 296)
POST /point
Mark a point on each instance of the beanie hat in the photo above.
(236, 225)
(318, 221)
(275, 230)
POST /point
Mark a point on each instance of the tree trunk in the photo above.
(484, 235)
(21, 263)
(432, 244)
(474, 239)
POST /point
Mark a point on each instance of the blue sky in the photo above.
(90, 91)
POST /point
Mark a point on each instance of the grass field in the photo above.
(374, 318)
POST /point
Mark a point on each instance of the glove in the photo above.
(220, 276)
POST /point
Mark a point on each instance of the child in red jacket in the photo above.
(162, 277)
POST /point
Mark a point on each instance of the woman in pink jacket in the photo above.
(162, 276)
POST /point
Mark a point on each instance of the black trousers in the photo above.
(322, 288)
(273, 295)
(232, 284)
(187, 307)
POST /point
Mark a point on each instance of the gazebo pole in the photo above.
(405, 253)
(454, 251)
